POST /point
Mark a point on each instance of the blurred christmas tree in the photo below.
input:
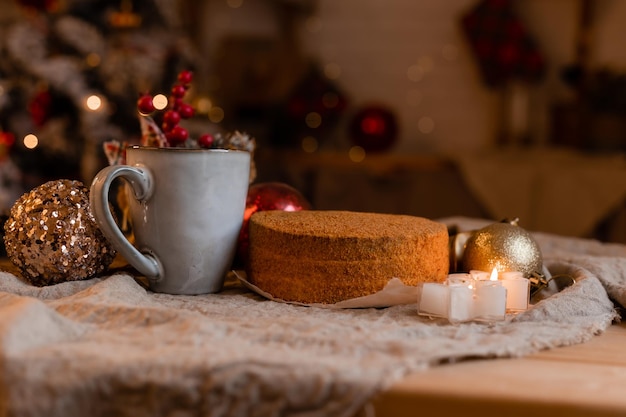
(70, 75)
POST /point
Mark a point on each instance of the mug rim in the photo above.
(175, 149)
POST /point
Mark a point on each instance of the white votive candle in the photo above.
(490, 301)
(518, 290)
(479, 275)
(461, 306)
(434, 300)
(460, 279)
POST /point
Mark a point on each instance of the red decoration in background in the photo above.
(315, 93)
(266, 196)
(7, 140)
(374, 128)
(501, 43)
(41, 5)
(40, 107)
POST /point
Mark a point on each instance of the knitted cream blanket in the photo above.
(107, 346)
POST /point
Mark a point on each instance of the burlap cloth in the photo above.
(108, 347)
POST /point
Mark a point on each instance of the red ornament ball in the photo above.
(262, 197)
(374, 128)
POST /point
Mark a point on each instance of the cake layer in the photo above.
(313, 256)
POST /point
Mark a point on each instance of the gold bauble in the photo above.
(52, 237)
(504, 246)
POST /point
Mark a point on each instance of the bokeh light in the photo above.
(216, 114)
(309, 144)
(159, 101)
(93, 59)
(313, 120)
(30, 141)
(356, 154)
(93, 102)
(203, 105)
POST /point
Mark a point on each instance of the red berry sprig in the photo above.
(185, 77)
(206, 141)
(177, 110)
(145, 104)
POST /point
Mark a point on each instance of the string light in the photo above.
(313, 120)
(203, 105)
(93, 102)
(125, 18)
(30, 141)
(93, 59)
(309, 144)
(216, 114)
(159, 101)
(356, 154)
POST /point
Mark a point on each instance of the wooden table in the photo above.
(587, 379)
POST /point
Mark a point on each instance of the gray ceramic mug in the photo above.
(186, 212)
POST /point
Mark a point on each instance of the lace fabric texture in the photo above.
(108, 346)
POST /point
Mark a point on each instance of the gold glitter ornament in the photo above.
(504, 246)
(52, 237)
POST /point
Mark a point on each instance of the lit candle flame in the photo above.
(494, 275)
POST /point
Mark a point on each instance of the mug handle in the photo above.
(142, 183)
